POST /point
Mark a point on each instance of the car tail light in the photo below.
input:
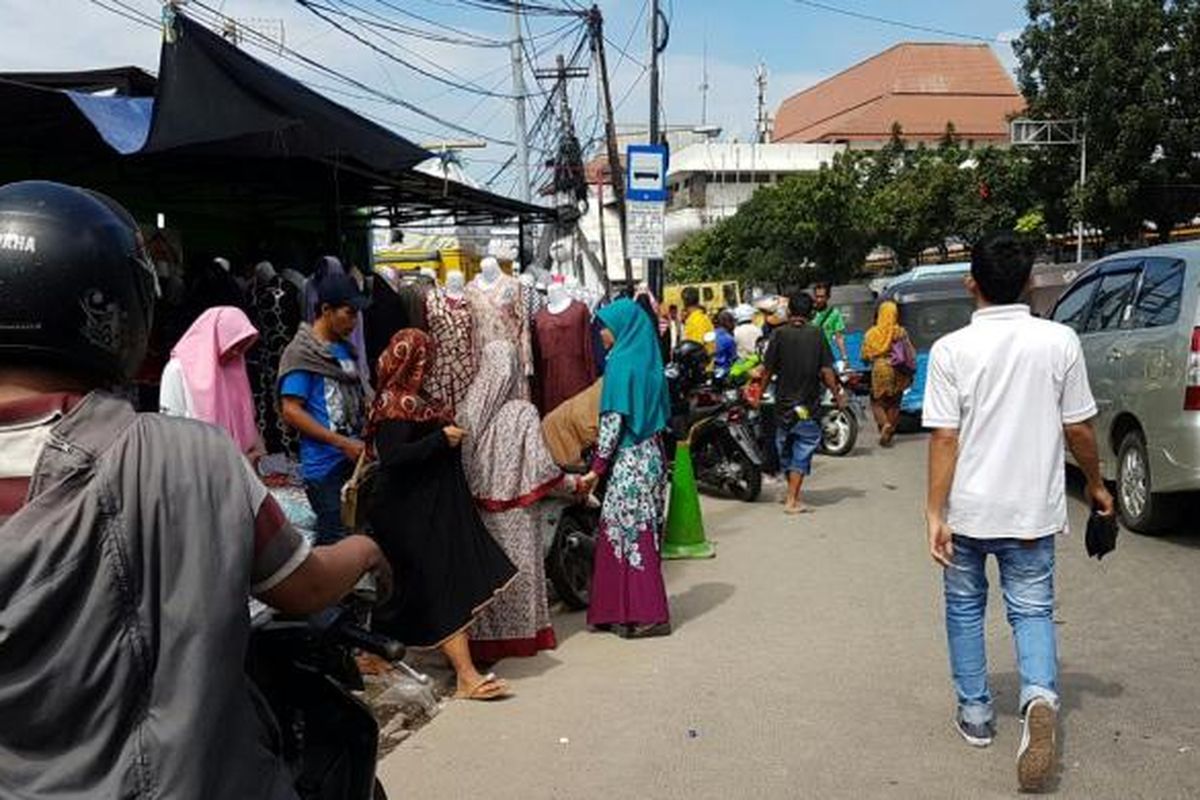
(1191, 400)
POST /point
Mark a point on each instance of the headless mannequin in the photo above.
(557, 299)
(428, 272)
(455, 283)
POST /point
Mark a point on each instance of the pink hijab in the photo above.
(215, 375)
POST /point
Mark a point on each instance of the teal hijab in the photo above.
(634, 386)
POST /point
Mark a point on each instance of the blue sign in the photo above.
(646, 172)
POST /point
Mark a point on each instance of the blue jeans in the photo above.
(1027, 580)
(797, 444)
(325, 497)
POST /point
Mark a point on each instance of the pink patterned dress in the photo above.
(499, 313)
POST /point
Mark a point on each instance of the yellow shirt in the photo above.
(696, 327)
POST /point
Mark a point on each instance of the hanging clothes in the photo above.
(277, 309)
(509, 469)
(498, 311)
(392, 309)
(452, 331)
(563, 360)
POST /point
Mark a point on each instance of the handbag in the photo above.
(356, 493)
(903, 356)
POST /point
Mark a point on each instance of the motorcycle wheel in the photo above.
(839, 432)
(747, 486)
(569, 562)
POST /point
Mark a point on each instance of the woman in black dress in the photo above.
(448, 567)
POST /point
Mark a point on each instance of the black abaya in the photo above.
(447, 566)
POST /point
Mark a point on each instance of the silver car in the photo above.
(1138, 320)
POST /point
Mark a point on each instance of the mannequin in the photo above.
(453, 332)
(490, 272)
(499, 311)
(455, 284)
(430, 273)
(557, 299)
(563, 346)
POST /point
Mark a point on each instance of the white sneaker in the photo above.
(1037, 755)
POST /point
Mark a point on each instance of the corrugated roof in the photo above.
(922, 86)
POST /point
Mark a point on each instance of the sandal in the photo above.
(498, 690)
(646, 631)
(886, 435)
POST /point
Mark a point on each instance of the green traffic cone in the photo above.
(685, 525)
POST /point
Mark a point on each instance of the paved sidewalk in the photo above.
(809, 661)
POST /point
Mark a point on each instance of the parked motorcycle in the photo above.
(839, 427)
(711, 415)
(569, 532)
(304, 670)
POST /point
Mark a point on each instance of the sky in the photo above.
(799, 42)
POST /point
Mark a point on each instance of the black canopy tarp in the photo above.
(225, 143)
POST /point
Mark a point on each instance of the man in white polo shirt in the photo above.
(1003, 394)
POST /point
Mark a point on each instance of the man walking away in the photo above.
(1003, 393)
(696, 324)
(800, 357)
(829, 320)
(323, 396)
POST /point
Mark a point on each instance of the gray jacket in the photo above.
(123, 621)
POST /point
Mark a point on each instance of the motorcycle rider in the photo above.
(129, 543)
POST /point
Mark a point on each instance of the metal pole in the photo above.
(518, 82)
(1082, 183)
(616, 175)
(654, 266)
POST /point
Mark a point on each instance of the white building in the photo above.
(708, 182)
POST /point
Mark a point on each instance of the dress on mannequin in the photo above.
(498, 311)
(453, 333)
(563, 347)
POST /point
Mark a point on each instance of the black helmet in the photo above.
(692, 358)
(77, 285)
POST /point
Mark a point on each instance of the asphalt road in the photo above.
(809, 660)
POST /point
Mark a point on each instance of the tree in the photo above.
(1128, 69)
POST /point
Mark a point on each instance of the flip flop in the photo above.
(800, 510)
(646, 631)
(481, 693)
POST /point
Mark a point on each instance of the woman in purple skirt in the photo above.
(628, 595)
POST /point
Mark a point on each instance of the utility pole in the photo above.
(518, 83)
(658, 43)
(596, 28)
(704, 87)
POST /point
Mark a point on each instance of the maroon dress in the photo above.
(564, 365)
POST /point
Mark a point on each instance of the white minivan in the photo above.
(1137, 314)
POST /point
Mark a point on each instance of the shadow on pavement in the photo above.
(697, 601)
(819, 498)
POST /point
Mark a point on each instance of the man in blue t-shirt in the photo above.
(322, 396)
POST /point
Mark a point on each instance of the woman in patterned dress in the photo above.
(509, 469)
(628, 595)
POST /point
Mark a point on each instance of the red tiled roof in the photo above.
(920, 86)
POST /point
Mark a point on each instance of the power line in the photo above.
(316, 9)
(128, 12)
(266, 43)
(900, 24)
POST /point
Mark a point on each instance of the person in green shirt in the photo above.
(829, 320)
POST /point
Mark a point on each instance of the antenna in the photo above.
(762, 120)
(704, 85)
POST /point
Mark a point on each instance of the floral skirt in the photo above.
(517, 624)
(887, 382)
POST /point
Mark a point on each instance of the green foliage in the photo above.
(1130, 69)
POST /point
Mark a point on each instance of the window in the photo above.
(1074, 304)
(707, 294)
(762, 177)
(1112, 298)
(744, 177)
(1162, 288)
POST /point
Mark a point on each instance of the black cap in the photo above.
(341, 290)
